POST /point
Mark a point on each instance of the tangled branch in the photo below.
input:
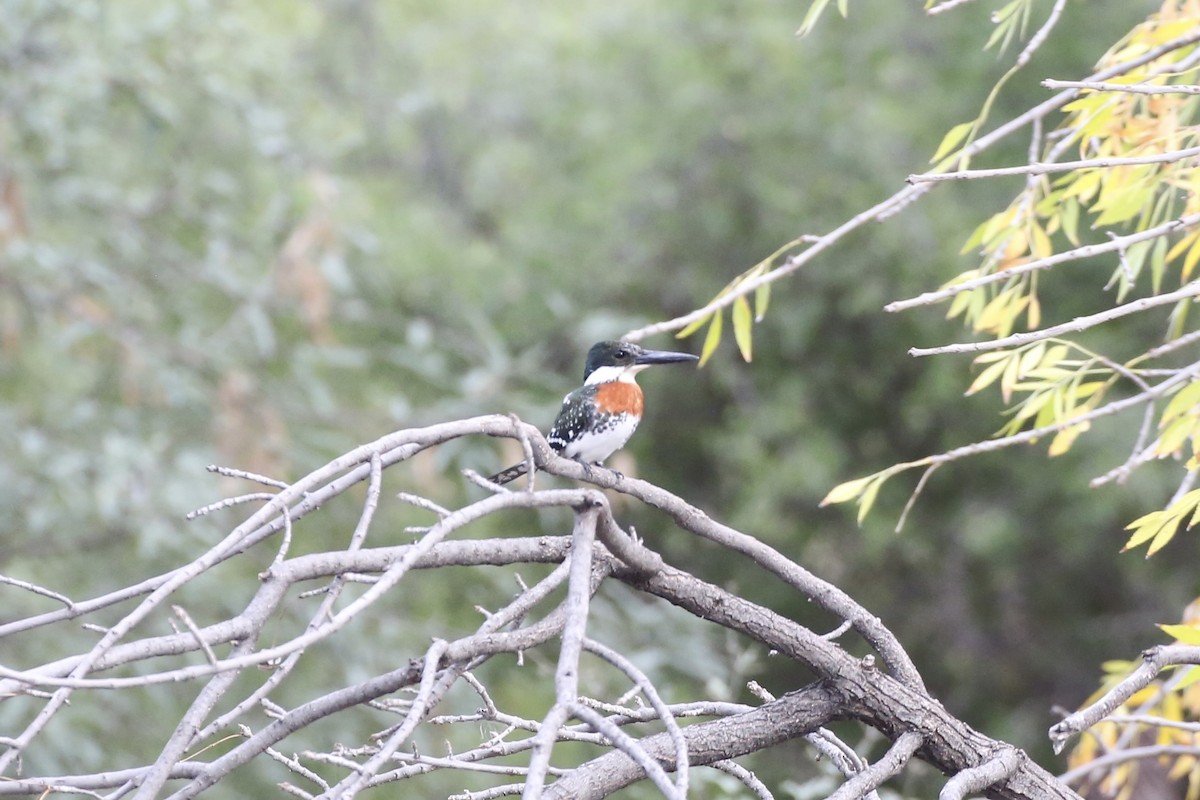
(238, 673)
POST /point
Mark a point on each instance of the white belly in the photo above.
(600, 444)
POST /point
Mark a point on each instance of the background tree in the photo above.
(227, 227)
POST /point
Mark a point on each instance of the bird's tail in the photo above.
(510, 474)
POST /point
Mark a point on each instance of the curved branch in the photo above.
(976, 779)
(791, 716)
(889, 766)
(1154, 661)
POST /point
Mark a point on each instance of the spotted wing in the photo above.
(578, 414)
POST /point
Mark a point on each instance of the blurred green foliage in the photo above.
(258, 234)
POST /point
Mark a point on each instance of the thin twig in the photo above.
(1139, 455)
(357, 781)
(946, 5)
(630, 747)
(566, 674)
(1150, 752)
(1190, 289)
(295, 766)
(748, 778)
(891, 763)
(1039, 38)
(1062, 166)
(1171, 346)
(916, 492)
(35, 589)
(228, 502)
(1154, 661)
(422, 502)
(647, 689)
(1132, 88)
(903, 197)
(1115, 244)
(190, 624)
(230, 472)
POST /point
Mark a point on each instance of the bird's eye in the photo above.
(622, 354)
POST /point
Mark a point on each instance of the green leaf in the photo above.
(810, 19)
(1031, 358)
(1190, 677)
(1184, 401)
(693, 327)
(742, 322)
(868, 498)
(1189, 262)
(1063, 440)
(1185, 634)
(1159, 527)
(1070, 220)
(1178, 320)
(712, 339)
(762, 297)
(952, 139)
(1175, 435)
(1135, 258)
(1123, 205)
(847, 491)
(1158, 263)
(988, 376)
(1147, 527)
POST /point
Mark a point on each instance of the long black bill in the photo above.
(663, 357)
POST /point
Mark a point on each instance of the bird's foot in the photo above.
(616, 473)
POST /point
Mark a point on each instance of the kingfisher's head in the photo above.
(612, 361)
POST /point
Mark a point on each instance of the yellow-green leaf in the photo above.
(1184, 401)
(810, 19)
(1185, 634)
(1192, 675)
(1158, 264)
(962, 301)
(1065, 438)
(1031, 358)
(1070, 220)
(742, 322)
(762, 297)
(1147, 527)
(1123, 205)
(1164, 537)
(868, 499)
(976, 237)
(1178, 319)
(1039, 242)
(987, 377)
(846, 491)
(952, 139)
(693, 327)
(1182, 245)
(1175, 435)
(1055, 355)
(712, 338)
(1033, 314)
(1159, 527)
(1189, 262)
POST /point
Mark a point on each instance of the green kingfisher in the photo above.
(597, 419)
